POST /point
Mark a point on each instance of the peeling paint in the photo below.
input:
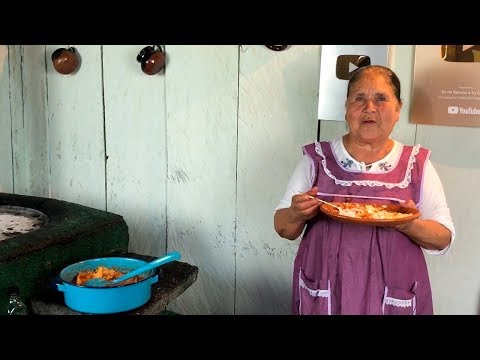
(249, 249)
(270, 251)
(179, 176)
(220, 238)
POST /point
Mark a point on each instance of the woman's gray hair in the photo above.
(385, 71)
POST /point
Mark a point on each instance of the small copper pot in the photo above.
(66, 61)
(277, 47)
(152, 59)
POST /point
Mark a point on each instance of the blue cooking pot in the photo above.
(106, 300)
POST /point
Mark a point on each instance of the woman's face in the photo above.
(372, 110)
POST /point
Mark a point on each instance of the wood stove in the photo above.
(40, 236)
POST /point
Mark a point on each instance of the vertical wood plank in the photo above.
(76, 129)
(459, 170)
(136, 147)
(454, 156)
(17, 117)
(6, 175)
(277, 115)
(201, 94)
(30, 126)
(16, 112)
(401, 61)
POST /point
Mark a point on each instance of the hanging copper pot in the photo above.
(152, 59)
(66, 60)
(277, 47)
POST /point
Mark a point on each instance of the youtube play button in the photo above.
(347, 64)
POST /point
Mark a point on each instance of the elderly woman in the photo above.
(349, 268)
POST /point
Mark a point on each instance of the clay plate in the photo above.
(334, 214)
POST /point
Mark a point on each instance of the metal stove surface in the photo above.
(17, 220)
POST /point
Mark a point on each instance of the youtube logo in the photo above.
(452, 110)
(347, 64)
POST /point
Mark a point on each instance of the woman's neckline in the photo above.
(383, 153)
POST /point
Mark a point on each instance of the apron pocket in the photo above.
(315, 296)
(398, 301)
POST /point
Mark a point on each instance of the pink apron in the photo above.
(358, 269)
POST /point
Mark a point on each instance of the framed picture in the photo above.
(336, 66)
(446, 85)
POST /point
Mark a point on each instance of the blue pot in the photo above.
(106, 300)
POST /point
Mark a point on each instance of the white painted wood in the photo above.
(278, 106)
(401, 61)
(454, 276)
(16, 112)
(136, 147)
(6, 175)
(201, 97)
(76, 129)
(454, 152)
(3, 58)
(30, 125)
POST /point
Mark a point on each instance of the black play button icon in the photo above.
(461, 53)
(347, 64)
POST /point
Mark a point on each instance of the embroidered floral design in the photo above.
(347, 163)
(402, 185)
(384, 166)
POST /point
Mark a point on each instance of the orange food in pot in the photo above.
(104, 273)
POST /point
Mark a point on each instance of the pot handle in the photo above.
(152, 280)
(56, 283)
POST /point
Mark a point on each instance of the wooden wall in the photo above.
(197, 157)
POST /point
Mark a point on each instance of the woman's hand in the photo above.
(428, 234)
(403, 227)
(305, 205)
(289, 222)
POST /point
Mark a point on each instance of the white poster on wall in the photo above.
(446, 85)
(337, 63)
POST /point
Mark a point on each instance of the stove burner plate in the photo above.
(17, 220)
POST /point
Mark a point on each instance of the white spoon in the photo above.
(326, 202)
